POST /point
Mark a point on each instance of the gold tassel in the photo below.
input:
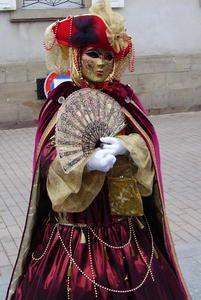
(69, 272)
(106, 255)
(83, 238)
(126, 278)
(140, 223)
(156, 253)
(132, 251)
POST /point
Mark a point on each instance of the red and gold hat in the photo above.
(90, 31)
(102, 28)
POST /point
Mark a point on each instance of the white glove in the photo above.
(101, 160)
(113, 145)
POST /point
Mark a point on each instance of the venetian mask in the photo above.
(96, 64)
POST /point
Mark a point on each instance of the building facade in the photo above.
(167, 37)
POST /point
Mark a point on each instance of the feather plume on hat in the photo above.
(116, 31)
(56, 55)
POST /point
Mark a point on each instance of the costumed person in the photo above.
(96, 226)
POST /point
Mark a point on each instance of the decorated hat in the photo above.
(102, 28)
(90, 31)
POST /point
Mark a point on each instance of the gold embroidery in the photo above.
(124, 196)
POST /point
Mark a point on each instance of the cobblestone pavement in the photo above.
(180, 139)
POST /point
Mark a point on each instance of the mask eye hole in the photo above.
(109, 56)
(92, 54)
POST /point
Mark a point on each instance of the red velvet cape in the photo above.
(136, 115)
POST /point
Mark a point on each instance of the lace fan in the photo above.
(83, 118)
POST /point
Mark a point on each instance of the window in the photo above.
(52, 3)
(45, 10)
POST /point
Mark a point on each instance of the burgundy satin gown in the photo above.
(119, 269)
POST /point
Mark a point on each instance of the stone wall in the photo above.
(18, 97)
(168, 83)
(163, 83)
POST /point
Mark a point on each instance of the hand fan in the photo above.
(83, 118)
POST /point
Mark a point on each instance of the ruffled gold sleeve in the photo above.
(140, 156)
(75, 191)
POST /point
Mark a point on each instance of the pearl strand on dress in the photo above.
(96, 283)
(110, 246)
(92, 280)
(91, 263)
(70, 265)
(140, 251)
(46, 248)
